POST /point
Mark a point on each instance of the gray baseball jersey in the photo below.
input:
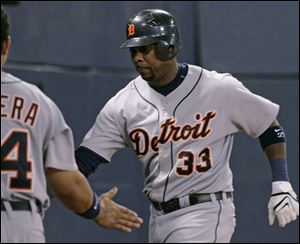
(184, 139)
(34, 136)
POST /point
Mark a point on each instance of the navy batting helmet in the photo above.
(154, 26)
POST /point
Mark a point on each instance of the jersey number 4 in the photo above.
(14, 160)
(190, 165)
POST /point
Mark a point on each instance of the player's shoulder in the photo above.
(215, 78)
(9, 79)
(18, 84)
(215, 75)
(122, 95)
(30, 91)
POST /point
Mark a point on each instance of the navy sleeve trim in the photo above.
(272, 135)
(88, 161)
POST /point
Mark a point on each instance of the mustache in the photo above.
(138, 66)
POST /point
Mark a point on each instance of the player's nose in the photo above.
(137, 56)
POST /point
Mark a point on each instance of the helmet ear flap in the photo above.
(164, 50)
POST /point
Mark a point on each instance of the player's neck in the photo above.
(167, 75)
(167, 89)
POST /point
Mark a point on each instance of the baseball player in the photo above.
(37, 145)
(180, 120)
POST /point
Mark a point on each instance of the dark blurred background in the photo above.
(68, 49)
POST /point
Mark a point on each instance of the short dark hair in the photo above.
(5, 26)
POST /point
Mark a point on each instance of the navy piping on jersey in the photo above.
(87, 160)
(172, 163)
(218, 222)
(147, 101)
(147, 169)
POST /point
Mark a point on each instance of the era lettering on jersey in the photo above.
(17, 110)
(171, 131)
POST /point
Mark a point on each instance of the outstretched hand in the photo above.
(115, 216)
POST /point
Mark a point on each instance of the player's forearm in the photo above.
(277, 150)
(80, 197)
(274, 145)
(273, 142)
(72, 189)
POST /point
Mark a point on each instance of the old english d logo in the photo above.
(130, 30)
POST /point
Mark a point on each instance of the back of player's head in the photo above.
(5, 26)
(154, 26)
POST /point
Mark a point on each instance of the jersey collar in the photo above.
(8, 78)
(186, 87)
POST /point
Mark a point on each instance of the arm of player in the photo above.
(74, 191)
(283, 203)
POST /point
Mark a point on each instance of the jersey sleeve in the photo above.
(105, 137)
(59, 150)
(247, 111)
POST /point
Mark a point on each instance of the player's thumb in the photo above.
(112, 192)
(271, 216)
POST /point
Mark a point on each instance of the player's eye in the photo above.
(141, 49)
(133, 51)
(144, 49)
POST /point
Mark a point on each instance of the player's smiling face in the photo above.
(155, 71)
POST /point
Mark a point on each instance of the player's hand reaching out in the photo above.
(115, 216)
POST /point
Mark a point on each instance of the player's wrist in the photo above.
(94, 210)
(279, 169)
(281, 186)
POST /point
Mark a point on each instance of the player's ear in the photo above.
(6, 45)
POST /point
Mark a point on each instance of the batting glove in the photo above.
(283, 203)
